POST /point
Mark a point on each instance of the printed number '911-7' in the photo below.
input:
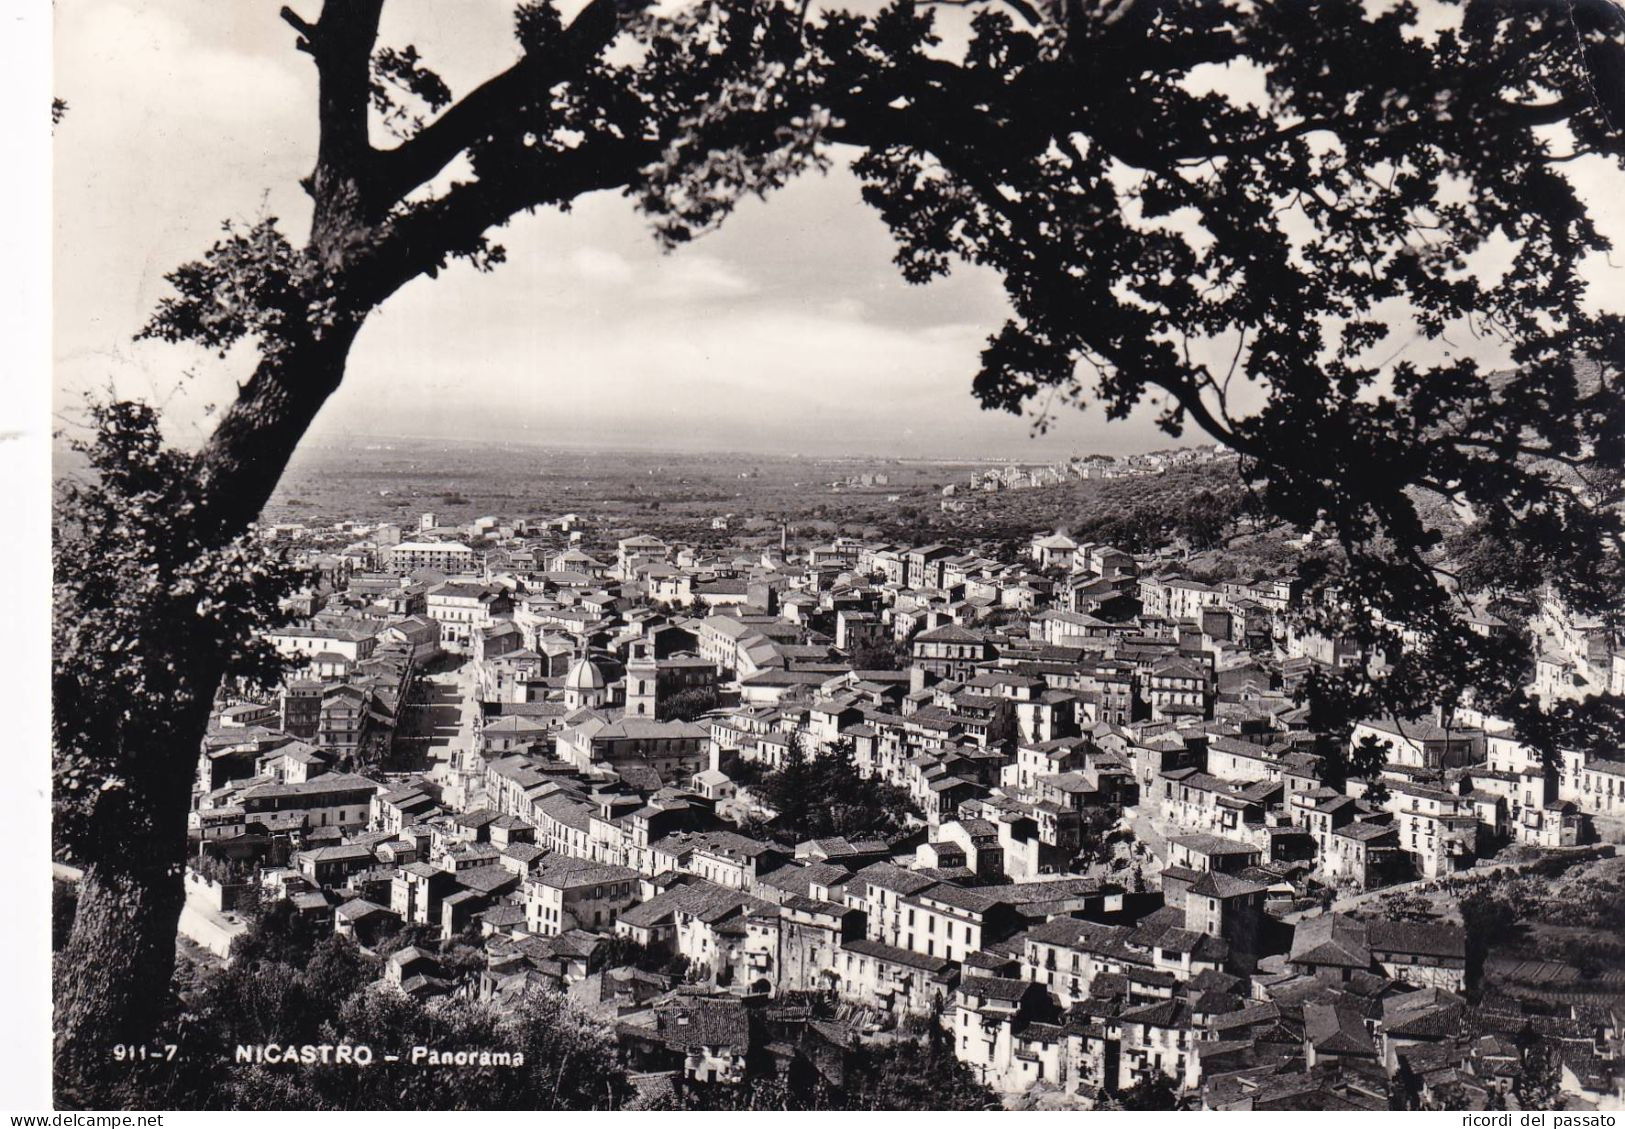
(131, 1052)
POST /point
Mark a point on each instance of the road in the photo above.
(442, 724)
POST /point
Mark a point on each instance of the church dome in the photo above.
(584, 675)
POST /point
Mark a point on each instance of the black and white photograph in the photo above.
(820, 555)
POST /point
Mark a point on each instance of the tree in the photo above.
(901, 1075)
(788, 789)
(880, 654)
(1155, 1092)
(686, 705)
(290, 985)
(1364, 760)
(1137, 218)
(907, 1076)
(1204, 519)
(623, 952)
(64, 899)
(141, 600)
(852, 806)
(1488, 920)
(824, 796)
(1540, 1077)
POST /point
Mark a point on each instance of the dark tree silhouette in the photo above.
(1135, 214)
(1156, 1092)
(880, 654)
(823, 796)
(686, 705)
(139, 594)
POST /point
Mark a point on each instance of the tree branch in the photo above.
(420, 240)
(307, 32)
(476, 115)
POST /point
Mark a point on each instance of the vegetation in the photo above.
(1489, 920)
(623, 952)
(150, 612)
(823, 797)
(293, 983)
(909, 1076)
(882, 654)
(1539, 1084)
(1505, 576)
(686, 705)
(902, 1075)
(64, 900)
(1155, 1093)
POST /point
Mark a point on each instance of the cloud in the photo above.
(599, 267)
(687, 278)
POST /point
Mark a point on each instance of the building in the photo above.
(449, 557)
(463, 611)
(572, 894)
(339, 799)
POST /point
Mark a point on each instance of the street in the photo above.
(440, 721)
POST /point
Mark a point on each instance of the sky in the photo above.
(789, 329)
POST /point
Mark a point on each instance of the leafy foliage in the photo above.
(289, 983)
(1155, 1093)
(1154, 233)
(908, 1076)
(881, 654)
(252, 284)
(137, 596)
(903, 1075)
(624, 952)
(686, 705)
(402, 73)
(1539, 1084)
(823, 796)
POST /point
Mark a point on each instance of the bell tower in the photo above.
(642, 678)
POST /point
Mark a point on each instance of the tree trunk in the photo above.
(244, 459)
(112, 978)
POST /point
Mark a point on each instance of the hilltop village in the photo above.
(757, 808)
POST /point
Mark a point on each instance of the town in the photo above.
(758, 806)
